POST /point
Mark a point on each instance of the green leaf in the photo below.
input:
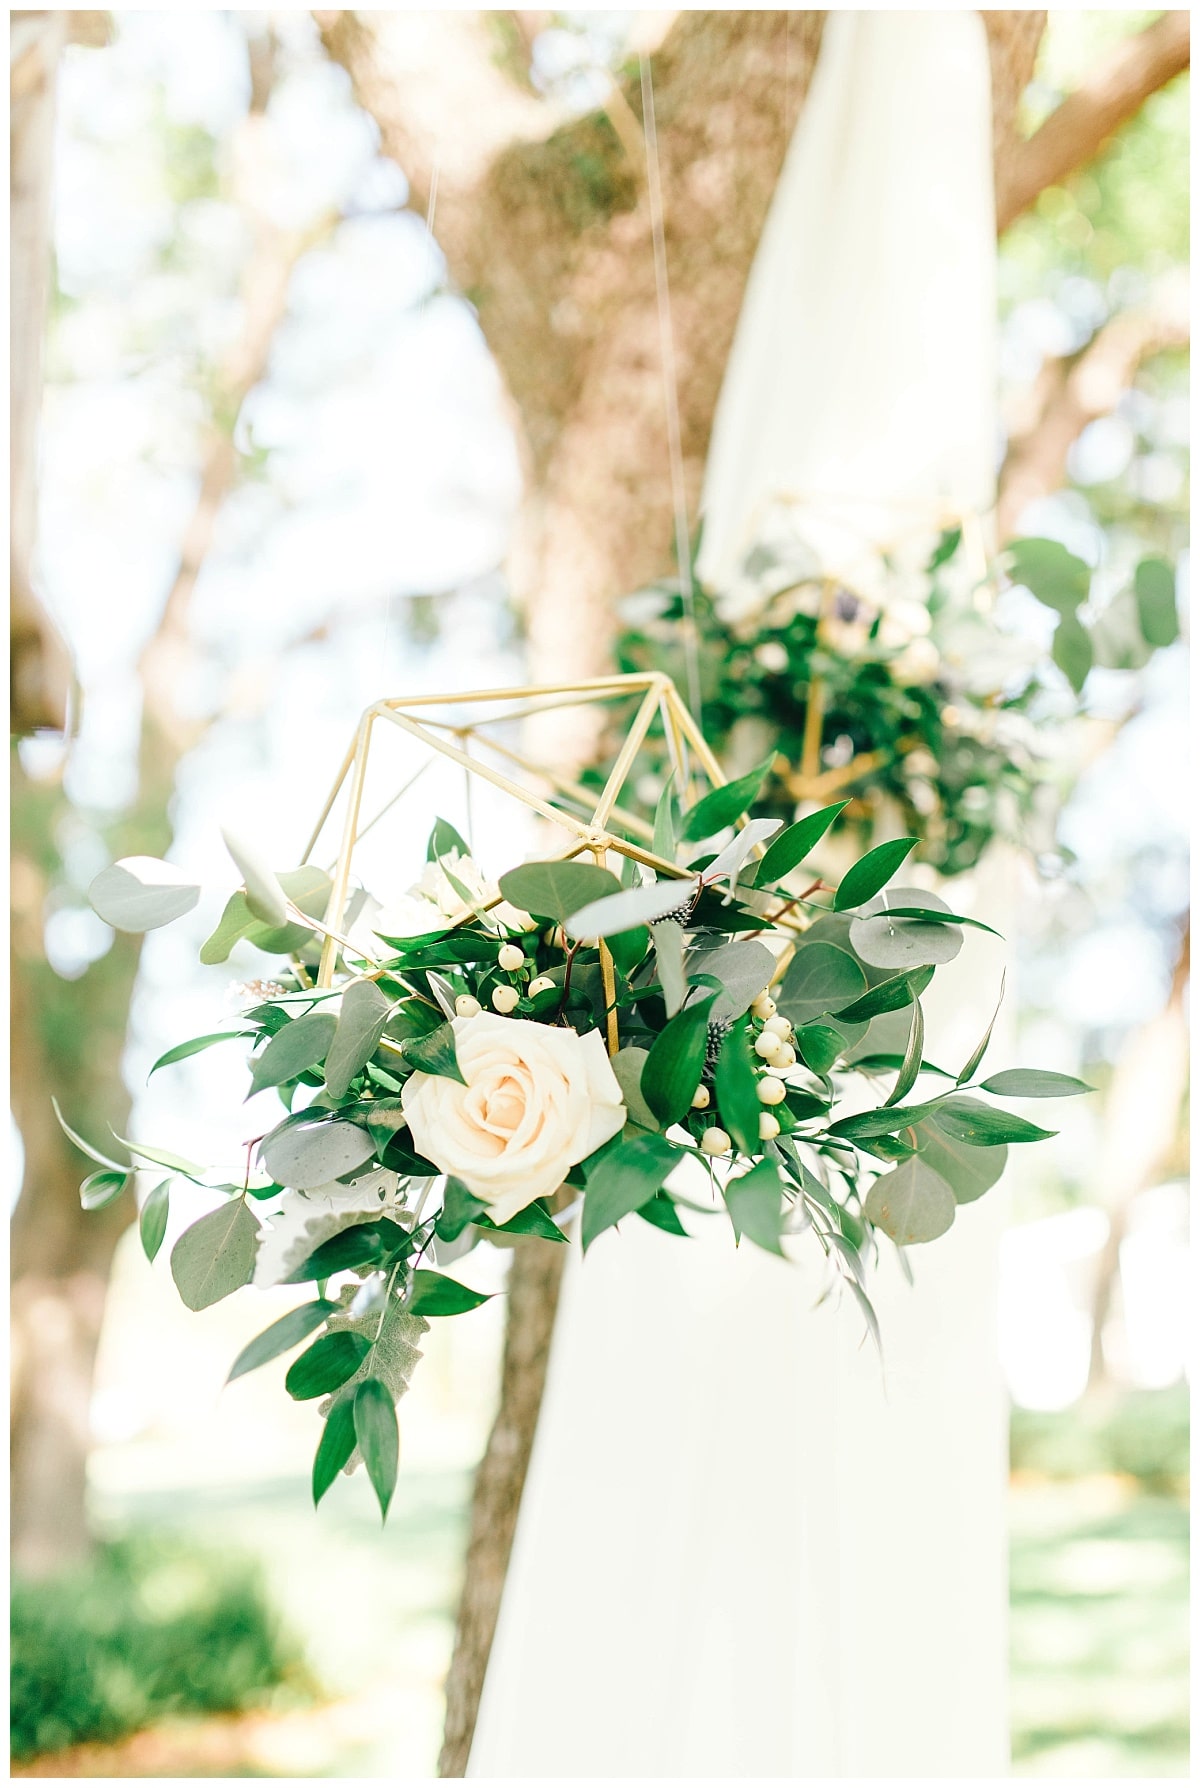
(161, 1157)
(888, 996)
(937, 916)
(819, 1046)
(85, 1148)
(361, 1245)
(791, 847)
(627, 948)
(1035, 1083)
(881, 936)
(667, 936)
(555, 890)
(264, 896)
(820, 977)
(152, 1219)
(1158, 615)
(666, 828)
(743, 967)
(364, 1012)
(378, 1435)
(335, 1446)
(181, 1051)
(435, 1295)
(755, 1203)
(911, 1204)
(435, 1053)
(444, 839)
(737, 1090)
(628, 1066)
(1051, 573)
(297, 1047)
(968, 1171)
(460, 1209)
(280, 1337)
(1072, 651)
(887, 1121)
(721, 806)
(676, 1061)
(101, 1188)
(216, 1255)
(235, 921)
(626, 1176)
(661, 1213)
(629, 908)
(535, 1219)
(871, 872)
(304, 1154)
(326, 1365)
(910, 1067)
(978, 1053)
(141, 893)
(970, 1120)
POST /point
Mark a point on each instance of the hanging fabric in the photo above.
(738, 1554)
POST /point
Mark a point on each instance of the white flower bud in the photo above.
(467, 1006)
(715, 1142)
(771, 1091)
(781, 1026)
(764, 1006)
(701, 1099)
(511, 957)
(505, 999)
(767, 1045)
(540, 985)
(768, 1126)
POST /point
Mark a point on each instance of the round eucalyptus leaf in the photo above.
(141, 893)
(968, 1170)
(304, 1156)
(912, 1203)
(822, 978)
(904, 943)
(744, 969)
(264, 896)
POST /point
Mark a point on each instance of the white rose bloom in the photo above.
(537, 1101)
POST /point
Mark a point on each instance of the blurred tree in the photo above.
(69, 1034)
(546, 225)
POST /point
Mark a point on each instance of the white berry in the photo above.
(505, 999)
(540, 985)
(786, 1057)
(715, 1142)
(467, 1006)
(771, 1091)
(781, 1026)
(764, 1006)
(768, 1126)
(701, 1099)
(768, 1045)
(511, 957)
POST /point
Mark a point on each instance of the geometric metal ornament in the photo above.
(461, 728)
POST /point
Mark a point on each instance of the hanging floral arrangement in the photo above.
(693, 1039)
(910, 692)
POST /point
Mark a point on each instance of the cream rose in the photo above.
(537, 1100)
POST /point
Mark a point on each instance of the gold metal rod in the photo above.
(341, 879)
(587, 685)
(627, 753)
(699, 743)
(814, 721)
(608, 980)
(333, 795)
(388, 805)
(576, 790)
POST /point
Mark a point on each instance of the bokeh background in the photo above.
(278, 477)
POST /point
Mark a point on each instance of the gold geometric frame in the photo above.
(450, 739)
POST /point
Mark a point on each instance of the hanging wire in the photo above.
(662, 289)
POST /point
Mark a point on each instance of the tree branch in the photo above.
(1079, 128)
(1070, 393)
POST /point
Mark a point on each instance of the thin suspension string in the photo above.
(674, 434)
(422, 306)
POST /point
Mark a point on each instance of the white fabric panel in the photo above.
(739, 1553)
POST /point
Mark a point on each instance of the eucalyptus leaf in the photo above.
(1154, 590)
(297, 1047)
(264, 895)
(1072, 651)
(820, 978)
(628, 907)
(364, 1012)
(819, 1046)
(729, 860)
(280, 1337)
(625, 1177)
(304, 1155)
(627, 1066)
(141, 893)
(666, 822)
(755, 1203)
(378, 1435)
(968, 1170)
(667, 938)
(910, 1067)
(744, 968)
(216, 1255)
(555, 890)
(1051, 573)
(887, 941)
(869, 874)
(911, 1204)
